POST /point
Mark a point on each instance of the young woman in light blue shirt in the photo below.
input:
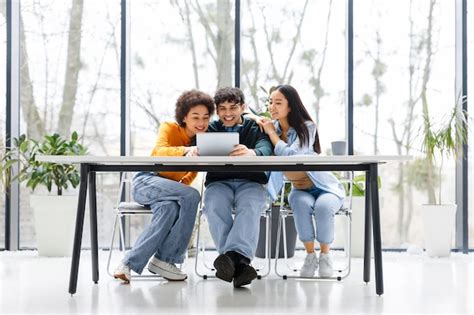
(293, 132)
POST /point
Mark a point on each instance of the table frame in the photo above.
(88, 182)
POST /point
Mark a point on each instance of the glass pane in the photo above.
(67, 86)
(198, 53)
(3, 68)
(393, 66)
(470, 92)
(299, 43)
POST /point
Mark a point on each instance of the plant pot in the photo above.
(54, 224)
(357, 229)
(290, 235)
(438, 227)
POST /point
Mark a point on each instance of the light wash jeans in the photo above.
(174, 207)
(247, 200)
(323, 205)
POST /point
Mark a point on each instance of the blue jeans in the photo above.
(321, 204)
(174, 207)
(247, 200)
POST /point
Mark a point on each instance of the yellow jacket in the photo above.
(171, 141)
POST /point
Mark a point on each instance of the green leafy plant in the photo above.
(265, 99)
(358, 184)
(37, 173)
(442, 140)
(7, 161)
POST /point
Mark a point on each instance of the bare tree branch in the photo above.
(295, 39)
(185, 17)
(73, 66)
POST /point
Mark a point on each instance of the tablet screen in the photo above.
(216, 143)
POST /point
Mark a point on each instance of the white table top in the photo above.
(226, 160)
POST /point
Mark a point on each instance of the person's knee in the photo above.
(326, 206)
(193, 195)
(325, 211)
(297, 201)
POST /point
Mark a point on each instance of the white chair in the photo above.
(345, 211)
(201, 248)
(125, 209)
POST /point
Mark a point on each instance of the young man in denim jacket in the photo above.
(240, 193)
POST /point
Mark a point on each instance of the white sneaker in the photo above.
(122, 272)
(168, 271)
(310, 265)
(325, 266)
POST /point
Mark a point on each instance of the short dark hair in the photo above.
(190, 99)
(229, 94)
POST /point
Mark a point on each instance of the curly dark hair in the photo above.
(188, 100)
(229, 94)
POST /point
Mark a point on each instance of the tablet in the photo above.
(216, 143)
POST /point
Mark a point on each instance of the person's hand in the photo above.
(242, 150)
(256, 118)
(267, 125)
(192, 151)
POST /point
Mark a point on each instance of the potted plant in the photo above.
(54, 213)
(441, 141)
(280, 205)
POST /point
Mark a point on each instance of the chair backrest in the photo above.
(348, 179)
(125, 188)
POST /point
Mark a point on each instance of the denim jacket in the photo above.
(325, 181)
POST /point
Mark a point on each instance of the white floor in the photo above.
(413, 284)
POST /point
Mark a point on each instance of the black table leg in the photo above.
(376, 228)
(81, 209)
(93, 222)
(367, 227)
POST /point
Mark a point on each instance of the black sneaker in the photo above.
(244, 274)
(225, 267)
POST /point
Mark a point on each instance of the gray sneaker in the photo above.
(325, 266)
(310, 265)
(167, 270)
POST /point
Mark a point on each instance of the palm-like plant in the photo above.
(445, 140)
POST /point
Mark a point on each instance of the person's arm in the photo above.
(283, 148)
(188, 178)
(263, 145)
(258, 119)
(163, 145)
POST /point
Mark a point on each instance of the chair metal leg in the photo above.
(268, 260)
(111, 247)
(118, 221)
(277, 248)
(340, 273)
(200, 248)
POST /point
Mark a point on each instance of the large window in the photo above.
(3, 58)
(404, 71)
(299, 43)
(175, 46)
(70, 62)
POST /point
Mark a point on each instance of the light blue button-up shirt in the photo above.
(323, 180)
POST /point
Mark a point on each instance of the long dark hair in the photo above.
(298, 115)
